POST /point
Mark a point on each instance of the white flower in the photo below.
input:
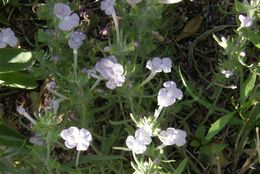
(108, 6)
(172, 136)
(227, 73)
(158, 65)
(112, 71)
(138, 143)
(76, 40)
(223, 42)
(168, 95)
(76, 138)
(245, 21)
(242, 54)
(7, 37)
(68, 21)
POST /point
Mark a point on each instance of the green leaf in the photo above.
(195, 143)
(12, 59)
(247, 87)
(200, 132)
(18, 80)
(218, 125)
(10, 137)
(252, 36)
(241, 7)
(181, 167)
(43, 36)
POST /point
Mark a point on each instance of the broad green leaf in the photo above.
(18, 80)
(247, 87)
(169, 1)
(241, 7)
(252, 37)
(13, 59)
(218, 125)
(181, 167)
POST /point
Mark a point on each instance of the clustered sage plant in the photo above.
(91, 79)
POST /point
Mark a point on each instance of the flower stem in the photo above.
(26, 115)
(58, 94)
(158, 111)
(48, 152)
(151, 75)
(116, 25)
(95, 84)
(75, 66)
(77, 159)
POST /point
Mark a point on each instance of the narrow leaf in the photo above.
(247, 87)
(218, 125)
(181, 167)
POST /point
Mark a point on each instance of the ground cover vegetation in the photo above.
(129, 86)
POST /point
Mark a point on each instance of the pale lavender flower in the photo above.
(106, 49)
(157, 65)
(37, 139)
(172, 136)
(51, 85)
(76, 40)
(7, 37)
(168, 95)
(110, 70)
(245, 21)
(54, 105)
(108, 6)
(23, 112)
(62, 10)
(76, 138)
(138, 144)
(68, 21)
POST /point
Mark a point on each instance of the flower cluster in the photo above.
(227, 73)
(68, 20)
(108, 6)
(76, 40)
(138, 143)
(76, 138)
(158, 65)
(7, 37)
(110, 70)
(168, 95)
(143, 137)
